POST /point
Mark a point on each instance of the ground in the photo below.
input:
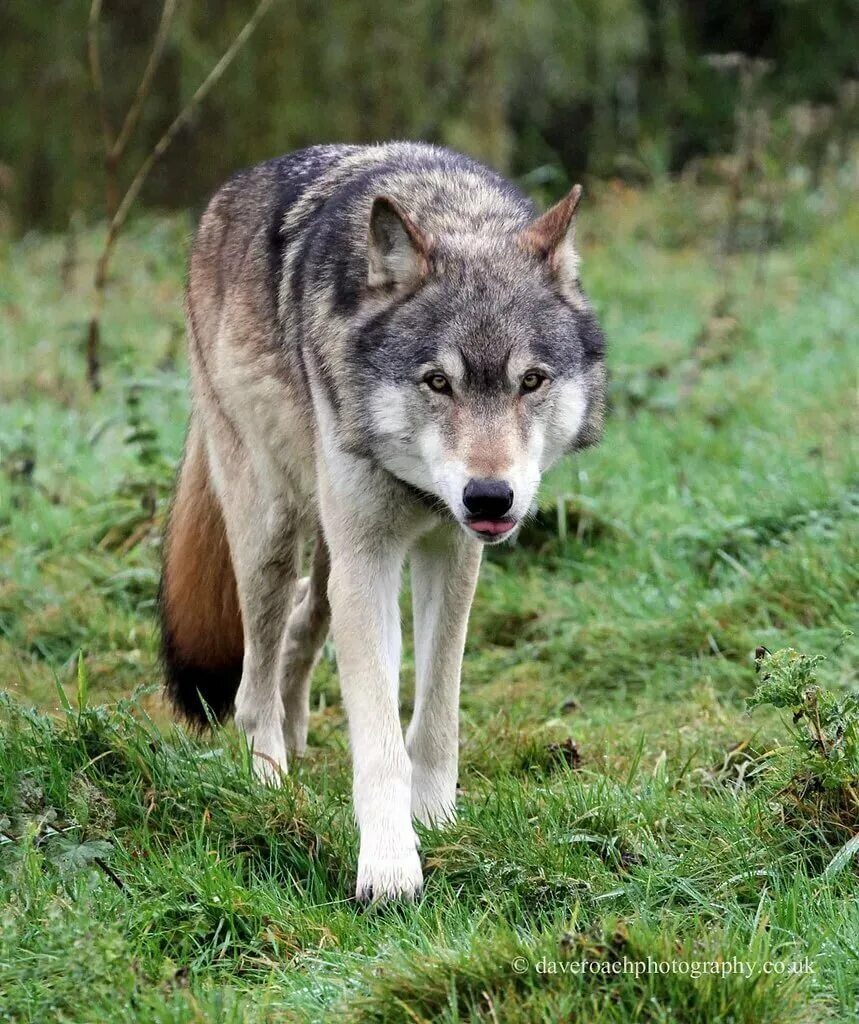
(615, 803)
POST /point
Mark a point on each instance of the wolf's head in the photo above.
(482, 360)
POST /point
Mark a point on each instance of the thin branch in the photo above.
(94, 51)
(184, 115)
(144, 87)
(119, 215)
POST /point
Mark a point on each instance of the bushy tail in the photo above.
(201, 625)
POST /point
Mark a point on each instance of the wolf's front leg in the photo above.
(444, 566)
(363, 592)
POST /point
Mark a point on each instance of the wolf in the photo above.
(388, 346)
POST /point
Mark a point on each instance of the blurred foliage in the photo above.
(564, 86)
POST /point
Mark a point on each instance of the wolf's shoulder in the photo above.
(287, 187)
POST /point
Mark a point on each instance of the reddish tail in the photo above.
(201, 625)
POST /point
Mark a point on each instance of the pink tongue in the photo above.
(490, 525)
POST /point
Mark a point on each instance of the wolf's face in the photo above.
(482, 363)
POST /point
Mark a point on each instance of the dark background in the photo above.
(557, 88)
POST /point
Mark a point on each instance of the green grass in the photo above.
(145, 876)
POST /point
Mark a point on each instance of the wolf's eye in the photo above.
(438, 383)
(532, 380)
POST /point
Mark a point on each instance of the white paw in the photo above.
(389, 877)
(295, 731)
(433, 797)
(264, 735)
(269, 757)
(269, 770)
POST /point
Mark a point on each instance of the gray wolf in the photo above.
(388, 347)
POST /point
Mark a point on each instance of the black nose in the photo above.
(490, 499)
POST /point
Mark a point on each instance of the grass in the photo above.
(617, 801)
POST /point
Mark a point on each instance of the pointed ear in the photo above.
(397, 249)
(551, 237)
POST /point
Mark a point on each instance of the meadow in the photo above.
(619, 801)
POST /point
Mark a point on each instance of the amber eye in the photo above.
(532, 380)
(438, 383)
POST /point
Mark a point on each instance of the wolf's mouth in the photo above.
(491, 529)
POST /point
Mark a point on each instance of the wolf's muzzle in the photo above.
(487, 503)
(487, 499)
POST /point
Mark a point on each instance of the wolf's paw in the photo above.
(433, 797)
(269, 758)
(264, 735)
(295, 731)
(269, 770)
(389, 878)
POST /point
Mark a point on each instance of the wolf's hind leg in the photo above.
(444, 566)
(264, 539)
(306, 630)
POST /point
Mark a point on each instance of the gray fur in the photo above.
(366, 325)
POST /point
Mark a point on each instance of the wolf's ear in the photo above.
(397, 249)
(551, 237)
